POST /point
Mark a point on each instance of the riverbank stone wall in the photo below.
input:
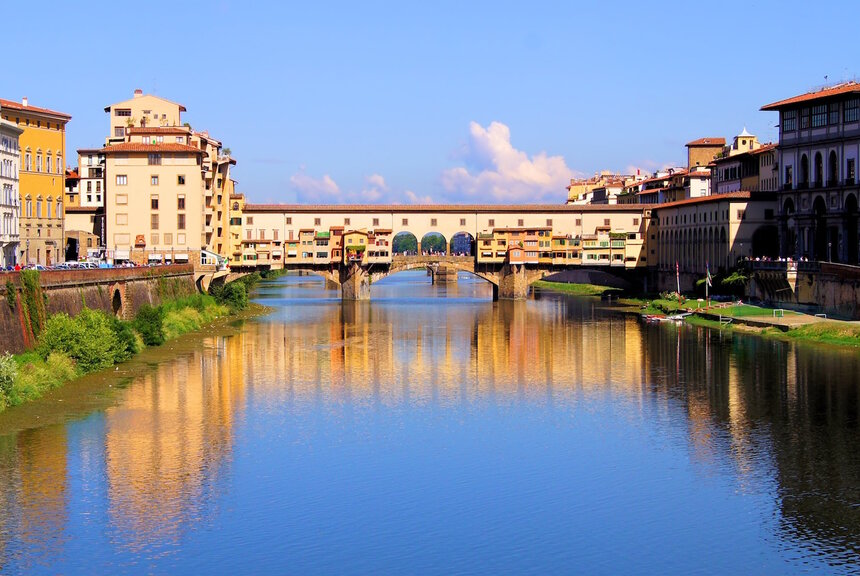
(118, 291)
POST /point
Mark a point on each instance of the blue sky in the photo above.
(434, 101)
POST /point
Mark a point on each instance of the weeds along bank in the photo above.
(67, 347)
(29, 297)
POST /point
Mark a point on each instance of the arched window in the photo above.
(38, 207)
(49, 207)
(59, 208)
(818, 174)
(832, 169)
(804, 171)
(29, 207)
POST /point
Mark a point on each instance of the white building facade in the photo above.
(818, 155)
(10, 202)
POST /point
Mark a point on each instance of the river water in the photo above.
(432, 431)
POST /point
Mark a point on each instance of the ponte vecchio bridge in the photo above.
(511, 245)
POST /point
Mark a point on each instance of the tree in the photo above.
(404, 242)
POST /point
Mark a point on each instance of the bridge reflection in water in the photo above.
(158, 463)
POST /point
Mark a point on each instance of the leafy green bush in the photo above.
(8, 373)
(149, 322)
(37, 376)
(234, 296)
(89, 339)
(128, 341)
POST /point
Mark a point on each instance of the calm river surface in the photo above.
(432, 431)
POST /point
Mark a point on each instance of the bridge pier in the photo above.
(331, 284)
(354, 283)
(445, 275)
(513, 283)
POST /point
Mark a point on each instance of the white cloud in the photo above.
(375, 189)
(413, 198)
(501, 173)
(315, 190)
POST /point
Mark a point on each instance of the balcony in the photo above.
(832, 183)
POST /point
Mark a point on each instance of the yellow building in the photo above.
(154, 207)
(41, 180)
(153, 121)
(234, 240)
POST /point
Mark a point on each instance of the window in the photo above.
(180, 239)
(289, 221)
(261, 234)
(118, 131)
(249, 219)
(48, 205)
(122, 112)
(579, 221)
(121, 180)
(153, 239)
(852, 110)
(804, 119)
(153, 180)
(153, 202)
(168, 238)
(180, 202)
(121, 218)
(606, 221)
(249, 233)
(406, 221)
(180, 180)
(376, 221)
(89, 186)
(122, 199)
(29, 206)
(819, 115)
(153, 159)
(48, 164)
(491, 222)
(275, 233)
(38, 162)
(346, 221)
(98, 185)
(180, 221)
(549, 221)
(636, 221)
(462, 221)
(850, 172)
(28, 162)
(833, 114)
(433, 222)
(520, 222)
(59, 164)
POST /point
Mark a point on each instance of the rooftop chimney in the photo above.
(138, 92)
(24, 101)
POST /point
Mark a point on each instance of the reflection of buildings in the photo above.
(167, 442)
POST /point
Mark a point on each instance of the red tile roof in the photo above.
(34, 109)
(452, 208)
(844, 88)
(763, 148)
(138, 147)
(708, 142)
(706, 199)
